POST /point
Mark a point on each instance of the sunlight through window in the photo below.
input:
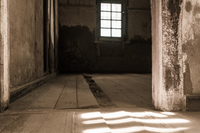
(143, 114)
(145, 128)
(115, 115)
(130, 119)
(161, 121)
(91, 115)
(111, 20)
(98, 121)
(168, 113)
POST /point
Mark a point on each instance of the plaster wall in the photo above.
(26, 39)
(191, 47)
(80, 49)
(139, 20)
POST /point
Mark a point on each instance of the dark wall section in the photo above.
(77, 49)
(81, 51)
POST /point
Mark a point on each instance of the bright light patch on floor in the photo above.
(119, 121)
(144, 128)
(115, 115)
(143, 114)
(97, 130)
(155, 114)
(91, 115)
(97, 121)
(128, 130)
(170, 121)
(168, 113)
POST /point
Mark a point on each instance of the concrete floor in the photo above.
(66, 105)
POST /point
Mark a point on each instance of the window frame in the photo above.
(123, 21)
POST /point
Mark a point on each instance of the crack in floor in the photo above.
(102, 99)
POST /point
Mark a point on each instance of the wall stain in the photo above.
(171, 14)
(174, 7)
(188, 89)
(168, 77)
(188, 6)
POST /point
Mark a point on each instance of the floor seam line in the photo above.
(59, 96)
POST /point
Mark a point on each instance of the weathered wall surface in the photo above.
(139, 20)
(172, 54)
(191, 47)
(26, 39)
(78, 50)
(167, 83)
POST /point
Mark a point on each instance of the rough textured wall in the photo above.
(191, 47)
(167, 77)
(172, 53)
(77, 43)
(26, 40)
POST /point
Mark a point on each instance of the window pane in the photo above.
(116, 24)
(116, 7)
(116, 32)
(106, 23)
(106, 32)
(105, 7)
(116, 16)
(105, 15)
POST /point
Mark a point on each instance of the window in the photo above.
(111, 20)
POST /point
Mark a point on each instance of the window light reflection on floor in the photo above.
(143, 114)
(98, 121)
(128, 121)
(91, 115)
(98, 130)
(121, 114)
(168, 113)
(135, 129)
(115, 115)
(146, 128)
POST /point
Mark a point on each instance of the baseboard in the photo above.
(193, 102)
(20, 91)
